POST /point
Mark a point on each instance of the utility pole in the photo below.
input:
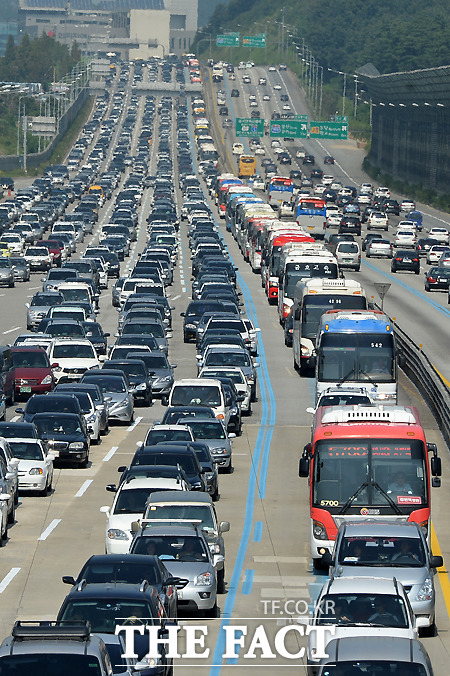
(25, 141)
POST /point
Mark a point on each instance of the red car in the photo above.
(33, 372)
(54, 248)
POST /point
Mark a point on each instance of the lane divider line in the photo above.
(51, 527)
(83, 488)
(110, 453)
(135, 424)
(8, 578)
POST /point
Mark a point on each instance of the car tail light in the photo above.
(431, 279)
(415, 260)
(398, 259)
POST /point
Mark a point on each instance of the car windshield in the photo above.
(37, 360)
(185, 460)
(348, 247)
(42, 403)
(344, 400)
(55, 425)
(227, 359)
(75, 294)
(26, 450)
(366, 667)
(382, 551)
(132, 500)
(146, 328)
(203, 513)
(154, 361)
(173, 548)
(43, 300)
(133, 370)
(204, 395)
(207, 429)
(107, 383)
(122, 571)
(350, 609)
(157, 436)
(73, 352)
(70, 329)
(50, 664)
(105, 613)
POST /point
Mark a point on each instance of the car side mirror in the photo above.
(327, 559)
(224, 526)
(68, 579)
(135, 526)
(311, 410)
(303, 467)
(436, 561)
(111, 488)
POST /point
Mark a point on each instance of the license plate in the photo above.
(347, 260)
(442, 280)
(310, 227)
(24, 388)
(407, 260)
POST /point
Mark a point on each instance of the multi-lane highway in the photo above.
(267, 549)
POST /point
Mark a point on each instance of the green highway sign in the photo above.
(329, 130)
(341, 118)
(249, 126)
(286, 128)
(254, 40)
(228, 40)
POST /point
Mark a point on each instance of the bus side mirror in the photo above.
(436, 466)
(327, 559)
(401, 360)
(303, 467)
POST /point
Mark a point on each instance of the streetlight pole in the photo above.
(356, 96)
(344, 90)
(321, 92)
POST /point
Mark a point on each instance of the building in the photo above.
(130, 28)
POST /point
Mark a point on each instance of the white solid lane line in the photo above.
(16, 328)
(7, 579)
(49, 529)
(83, 488)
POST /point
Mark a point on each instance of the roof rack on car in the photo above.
(61, 630)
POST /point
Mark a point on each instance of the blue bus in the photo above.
(311, 215)
(357, 348)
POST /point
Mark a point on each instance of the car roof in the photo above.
(171, 530)
(180, 496)
(376, 648)
(112, 590)
(360, 584)
(376, 528)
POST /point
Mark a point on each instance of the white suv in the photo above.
(70, 358)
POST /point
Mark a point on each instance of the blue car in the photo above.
(417, 217)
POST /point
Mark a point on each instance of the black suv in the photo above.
(406, 260)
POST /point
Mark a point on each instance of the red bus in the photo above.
(273, 256)
(367, 462)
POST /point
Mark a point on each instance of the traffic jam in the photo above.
(139, 208)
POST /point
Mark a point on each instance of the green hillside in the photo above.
(394, 35)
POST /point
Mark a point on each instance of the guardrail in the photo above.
(422, 373)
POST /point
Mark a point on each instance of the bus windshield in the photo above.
(294, 272)
(314, 307)
(356, 357)
(370, 472)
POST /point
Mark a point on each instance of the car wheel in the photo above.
(84, 463)
(211, 612)
(16, 498)
(215, 495)
(221, 581)
(148, 400)
(253, 394)
(11, 285)
(185, 338)
(4, 536)
(428, 631)
(417, 272)
(357, 269)
(12, 514)
(49, 489)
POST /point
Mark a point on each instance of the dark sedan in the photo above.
(66, 435)
(130, 569)
(437, 279)
(406, 260)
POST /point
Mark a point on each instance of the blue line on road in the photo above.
(248, 582)
(257, 533)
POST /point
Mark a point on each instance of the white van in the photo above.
(200, 392)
